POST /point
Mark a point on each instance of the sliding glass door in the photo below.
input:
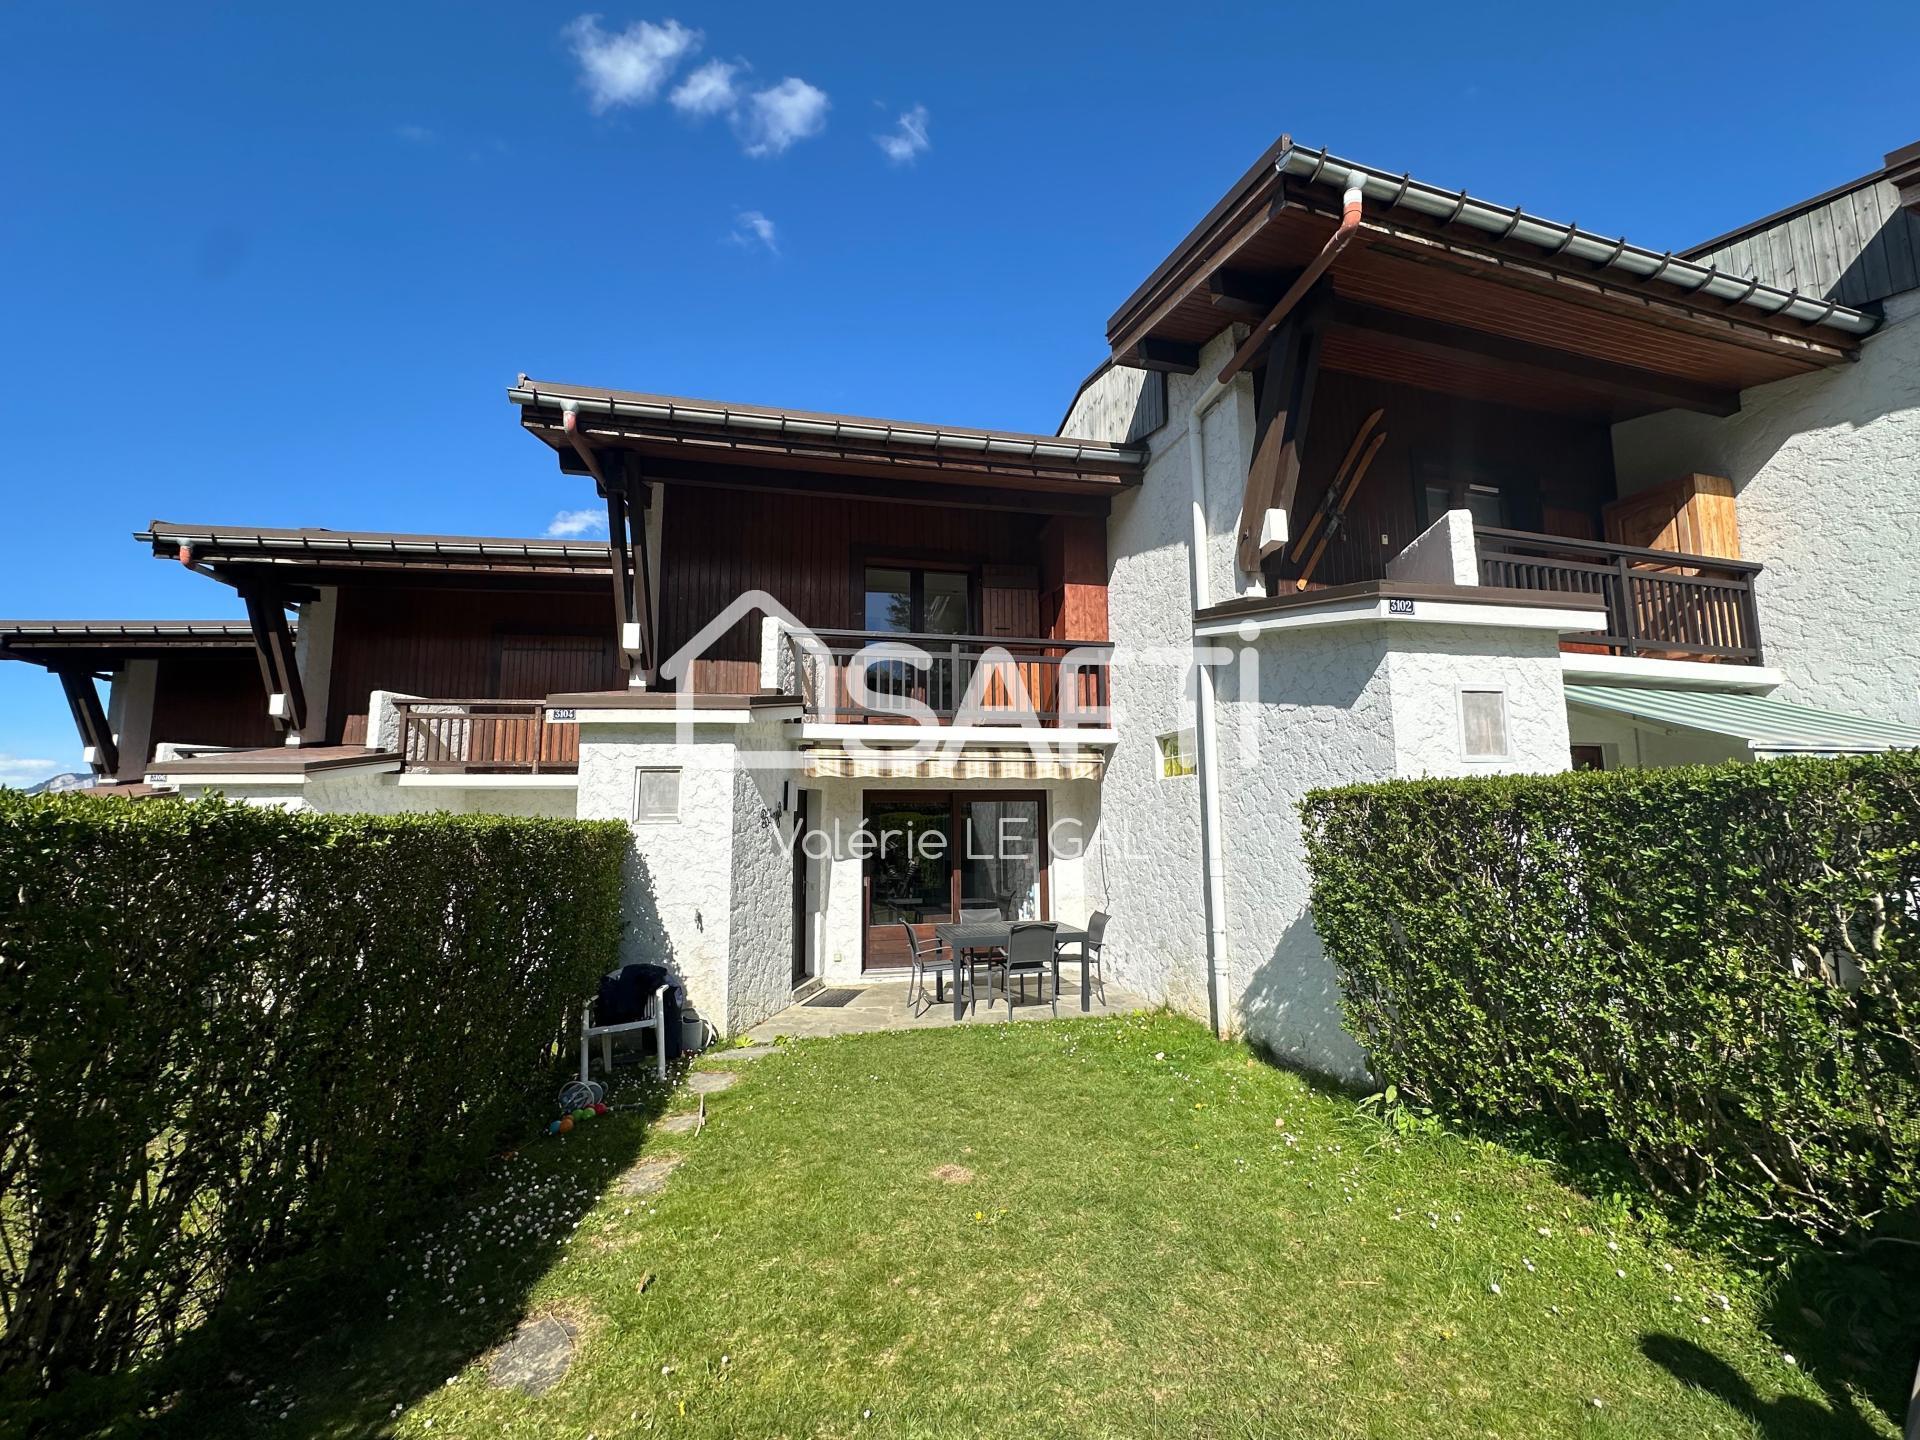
(931, 856)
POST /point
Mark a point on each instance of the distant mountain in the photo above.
(72, 780)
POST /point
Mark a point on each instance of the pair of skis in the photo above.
(1331, 515)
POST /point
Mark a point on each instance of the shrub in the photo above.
(230, 1035)
(1713, 972)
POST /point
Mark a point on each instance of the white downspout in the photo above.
(1206, 732)
(1205, 742)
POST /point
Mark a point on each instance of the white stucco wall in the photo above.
(1339, 706)
(1428, 667)
(1826, 469)
(679, 898)
(760, 918)
(1147, 870)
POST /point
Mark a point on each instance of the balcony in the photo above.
(871, 677)
(1660, 604)
(484, 737)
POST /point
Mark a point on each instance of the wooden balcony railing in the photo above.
(1059, 683)
(1660, 604)
(485, 737)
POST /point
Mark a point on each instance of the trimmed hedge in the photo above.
(230, 1035)
(1714, 972)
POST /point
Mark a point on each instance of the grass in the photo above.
(1138, 1230)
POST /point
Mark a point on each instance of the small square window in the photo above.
(1483, 724)
(656, 796)
(1176, 754)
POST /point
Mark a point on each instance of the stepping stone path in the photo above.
(535, 1359)
(711, 1082)
(745, 1052)
(649, 1177)
(679, 1124)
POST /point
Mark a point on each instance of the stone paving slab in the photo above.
(882, 1005)
(678, 1124)
(536, 1358)
(649, 1177)
(711, 1082)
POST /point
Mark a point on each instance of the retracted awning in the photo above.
(1769, 727)
(1004, 763)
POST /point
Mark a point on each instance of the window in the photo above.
(1483, 724)
(656, 796)
(1589, 757)
(1176, 755)
(902, 601)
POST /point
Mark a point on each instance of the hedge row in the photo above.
(231, 1034)
(1716, 971)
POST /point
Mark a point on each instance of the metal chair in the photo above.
(925, 955)
(1030, 951)
(1093, 948)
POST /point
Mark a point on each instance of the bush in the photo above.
(1714, 973)
(230, 1035)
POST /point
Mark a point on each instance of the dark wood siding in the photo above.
(806, 552)
(465, 645)
(1855, 247)
(1559, 471)
(211, 698)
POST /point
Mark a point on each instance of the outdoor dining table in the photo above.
(963, 936)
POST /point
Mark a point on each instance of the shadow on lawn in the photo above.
(338, 1354)
(1846, 1318)
(1788, 1417)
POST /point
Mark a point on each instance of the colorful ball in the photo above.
(565, 1123)
(554, 1128)
(600, 1109)
(583, 1113)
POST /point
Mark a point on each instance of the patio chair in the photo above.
(1094, 950)
(931, 955)
(1030, 951)
(987, 915)
(624, 1008)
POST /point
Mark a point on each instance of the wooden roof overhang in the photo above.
(296, 562)
(98, 645)
(672, 440)
(1459, 309)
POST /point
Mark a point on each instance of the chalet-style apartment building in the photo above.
(1380, 479)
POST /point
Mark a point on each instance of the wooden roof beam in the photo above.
(1443, 340)
(1169, 355)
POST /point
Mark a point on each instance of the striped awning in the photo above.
(973, 763)
(1768, 726)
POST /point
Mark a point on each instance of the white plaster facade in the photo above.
(1826, 473)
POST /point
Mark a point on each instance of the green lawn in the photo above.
(1144, 1232)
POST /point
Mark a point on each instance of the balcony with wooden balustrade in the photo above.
(881, 678)
(484, 737)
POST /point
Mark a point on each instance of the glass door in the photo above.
(1001, 856)
(931, 857)
(909, 872)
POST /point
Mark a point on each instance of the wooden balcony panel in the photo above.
(485, 737)
(1662, 605)
(1010, 681)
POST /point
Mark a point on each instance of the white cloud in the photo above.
(578, 524)
(414, 134)
(751, 228)
(774, 118)
(708, 91)
(907, 139)
(628, 68)
(21, 770)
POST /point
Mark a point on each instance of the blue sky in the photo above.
(278, 264)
